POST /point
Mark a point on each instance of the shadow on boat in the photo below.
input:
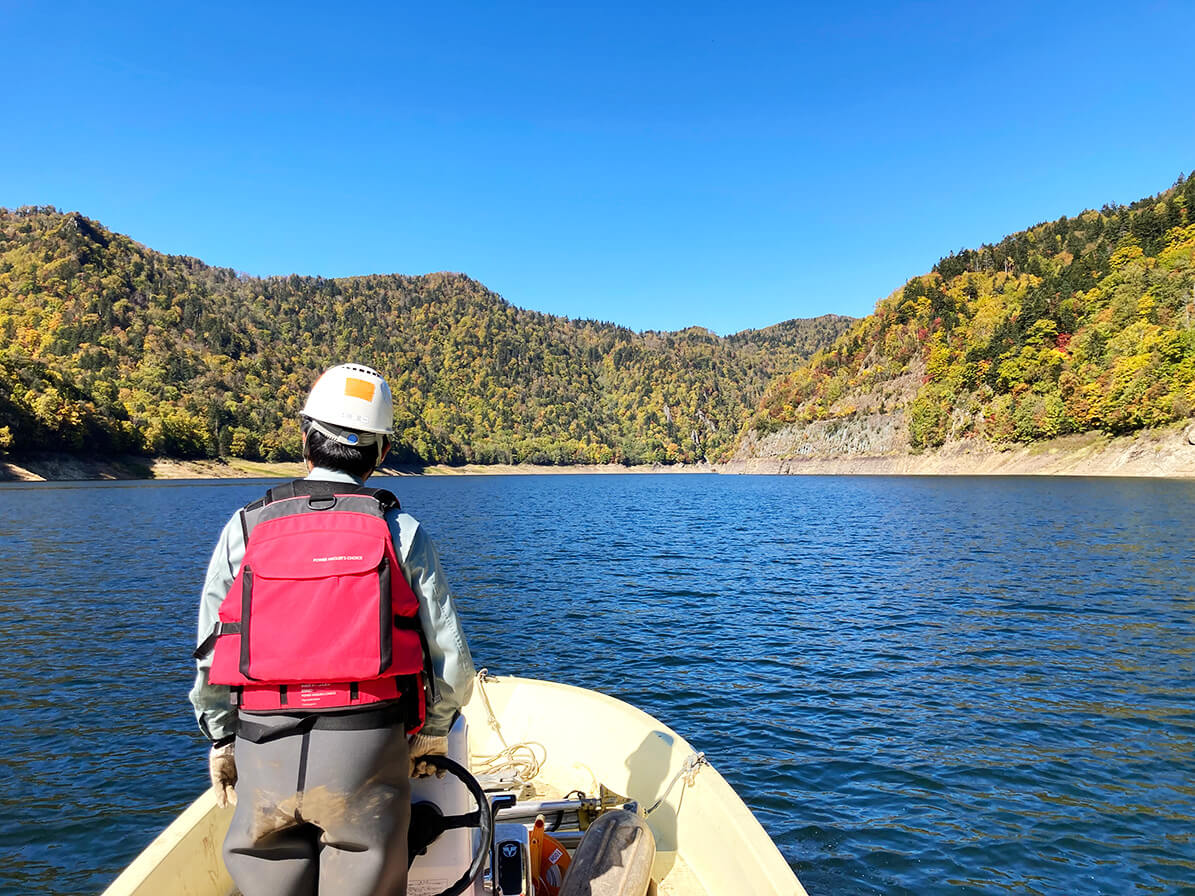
(647, 779)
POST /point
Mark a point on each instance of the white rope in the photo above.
(482, 677)
(688, 771)
(521, 761)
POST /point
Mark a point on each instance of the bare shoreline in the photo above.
(1167, 452)
(69, 468)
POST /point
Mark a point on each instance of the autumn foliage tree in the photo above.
(107, 346)
(1084, 323)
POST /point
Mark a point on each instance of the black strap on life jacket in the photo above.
(209, 643)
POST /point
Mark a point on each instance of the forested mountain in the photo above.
(109, 347)
(1084, 323)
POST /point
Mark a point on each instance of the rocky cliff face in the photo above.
(869, 435)
(878, 445)
(869, 424)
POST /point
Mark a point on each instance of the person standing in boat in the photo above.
(325, 672)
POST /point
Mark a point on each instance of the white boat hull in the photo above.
(707, 841)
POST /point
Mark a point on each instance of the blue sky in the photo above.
(656, 165)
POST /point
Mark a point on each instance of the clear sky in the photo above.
(658, 165)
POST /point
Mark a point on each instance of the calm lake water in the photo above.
(919, 685)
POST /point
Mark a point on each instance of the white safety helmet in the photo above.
(351, 404)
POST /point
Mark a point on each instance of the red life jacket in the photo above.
(320, 615)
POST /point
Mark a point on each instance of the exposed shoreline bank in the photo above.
(70, 468)
(1167, 452)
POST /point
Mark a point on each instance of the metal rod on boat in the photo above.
(557, 813)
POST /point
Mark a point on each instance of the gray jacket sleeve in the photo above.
(213, 708)
(447, 648)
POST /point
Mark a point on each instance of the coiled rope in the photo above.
(519, 762)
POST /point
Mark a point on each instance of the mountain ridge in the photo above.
(1083, 324)
(109, 346)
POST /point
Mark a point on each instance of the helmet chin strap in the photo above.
(353, 437)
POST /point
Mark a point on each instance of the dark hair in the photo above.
(356, 460)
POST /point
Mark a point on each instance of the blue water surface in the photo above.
(919, 685)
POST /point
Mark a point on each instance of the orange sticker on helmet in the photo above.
(355, 388)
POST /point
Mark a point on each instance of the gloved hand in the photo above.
(222, 767)
(425, 745)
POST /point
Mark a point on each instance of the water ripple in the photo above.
(918, 685)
